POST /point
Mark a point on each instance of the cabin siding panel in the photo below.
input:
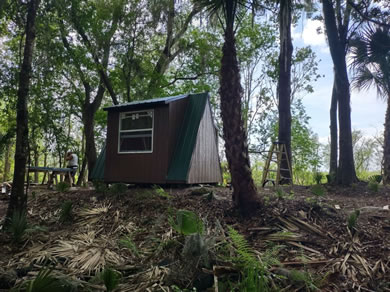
(134, 167)
(205, 165)
(177, 110)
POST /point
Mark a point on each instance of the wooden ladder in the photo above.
(277, 153)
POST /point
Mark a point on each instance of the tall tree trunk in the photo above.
(284, 83)
(346, 173)
(236, 147)
(90, 148)
(18, 200)
(7, 164)
(333, 136)
(337, 38)
(386, 146)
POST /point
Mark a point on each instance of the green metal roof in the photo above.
(180, 163)
(143, 103)
(98, 169)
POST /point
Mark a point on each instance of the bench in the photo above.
(52, 173)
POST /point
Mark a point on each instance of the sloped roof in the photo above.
(145, 103)
(180, 163)
(98, 170)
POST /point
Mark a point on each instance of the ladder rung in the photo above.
(286, 177)
(285, 169)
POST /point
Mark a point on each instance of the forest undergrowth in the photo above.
(317, 238)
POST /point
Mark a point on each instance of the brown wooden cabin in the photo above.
(161, 141)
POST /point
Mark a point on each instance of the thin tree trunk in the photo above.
(36, 162)
(333, 137)
(244, 190)
(284, 84)
(18, 200)
(386, 146)
(84, 163)
(7, 164)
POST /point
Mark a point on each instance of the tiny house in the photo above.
(161, 141)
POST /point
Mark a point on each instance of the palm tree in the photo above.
(236, 147)
(371, 67)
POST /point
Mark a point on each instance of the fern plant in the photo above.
(253, 274)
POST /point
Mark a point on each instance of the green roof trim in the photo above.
(98, 169)
(180, 163)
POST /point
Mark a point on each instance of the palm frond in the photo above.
(371, 60)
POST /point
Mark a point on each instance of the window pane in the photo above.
(135, 141)
(137, 121)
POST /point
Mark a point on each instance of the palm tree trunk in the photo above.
(386, 146)
(244, 190)
(18, 200)
(284, 84)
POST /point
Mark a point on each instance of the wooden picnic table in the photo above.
(52, 173)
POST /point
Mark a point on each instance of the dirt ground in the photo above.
(296, 230)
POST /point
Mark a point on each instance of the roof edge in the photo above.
(146, 102)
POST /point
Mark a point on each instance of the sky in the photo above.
(368, 111)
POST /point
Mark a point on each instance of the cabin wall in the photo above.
(205, 165)
(177, 110)
(134, 167)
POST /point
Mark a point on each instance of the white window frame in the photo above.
(121, 115)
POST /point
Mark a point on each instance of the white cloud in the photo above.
(310, 33)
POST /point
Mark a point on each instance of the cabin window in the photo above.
(136, 132)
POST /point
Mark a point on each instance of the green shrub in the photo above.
(161, 192)
(100, 187)
(118, 189)
(186, 222)
(280, 193)
(373, 186)
(128, 243)
(110, 278)
(318, 190)
(375, 178)
(318, 176)
(18, 226)
(62, 187)
(66, 211)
